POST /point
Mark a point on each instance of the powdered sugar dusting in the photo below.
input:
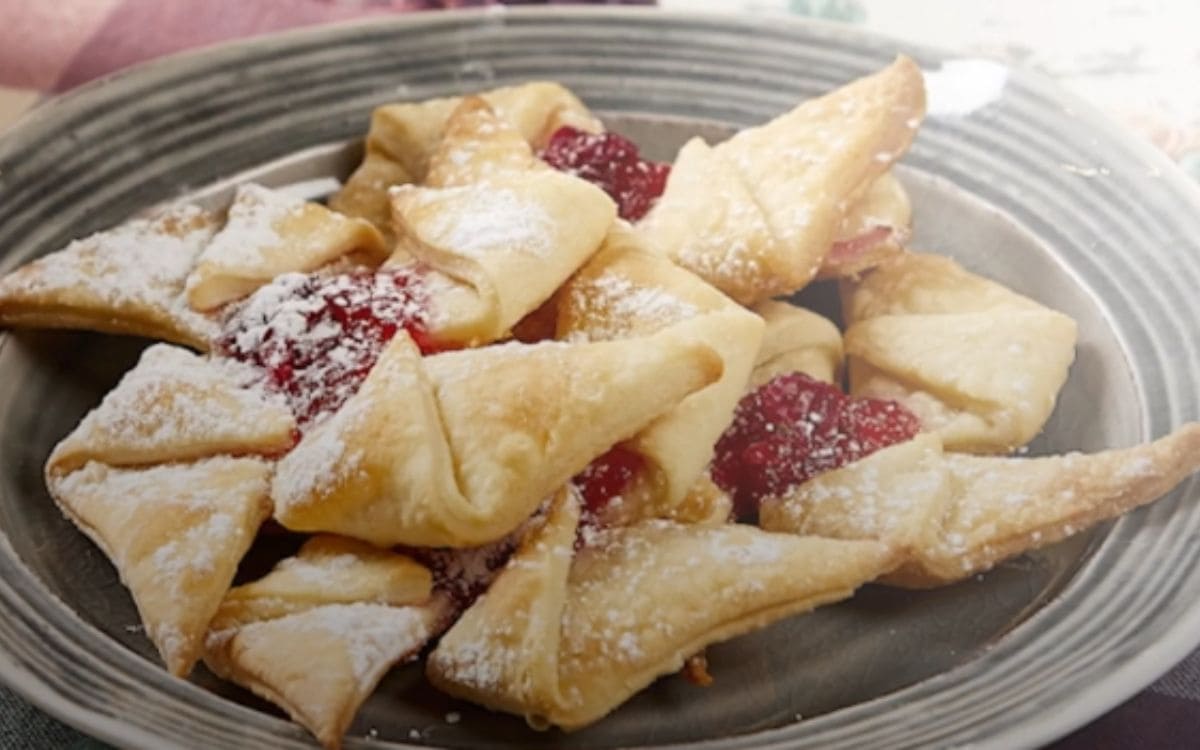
(141, 264)
(374, 636)
(477, 220)
(176, 398)
(610, 305)
(252, 226)
(319, 463)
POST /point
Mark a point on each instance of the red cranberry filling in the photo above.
(613, 164)
(793, 428)
(606, 477)
(318, 335)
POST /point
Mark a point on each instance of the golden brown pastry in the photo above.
(477, 144)
(502, 246)
(151, 476)
(317, 634)
(756, 215)
(269, 233)
(955, 515)
(402, 138)
(178, 406)
(327, 569)
(796, 340)
(563, 639)
(128, 279)
(175, 533)
(977, 363)
(457, 449)
(625, 292)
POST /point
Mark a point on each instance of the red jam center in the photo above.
(613, 164)
(794, 427)
(318, 335)
(606, 477)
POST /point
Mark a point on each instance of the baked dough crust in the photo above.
(796, 340)
(977, 363)
(178, 406)
(457, 449)
(756, 215)
(875, 228)
(954, 515)
(327, 569)
(268, 233)
(318, 633)
(625, 292)
(175, 534)
(563, 638)
(501, 235)
(403, 137)
(128, 279)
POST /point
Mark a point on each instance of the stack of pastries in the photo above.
(541, 413)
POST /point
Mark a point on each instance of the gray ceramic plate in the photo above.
(1028, 187)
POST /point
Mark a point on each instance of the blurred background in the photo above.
(1137, 60)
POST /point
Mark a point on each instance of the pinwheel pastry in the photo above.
(977, 363)
(170, 477)
(494, 231)
(457, 449)
(758, 215)
(565, 636)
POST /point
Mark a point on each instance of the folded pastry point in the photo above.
(757, 215)
(477, 144)
(874, 229)
(177, 406)
(512, 241)
(128, 279)
(796, 340)
(403, 137)
(457, 449)
(269, 233)
(175, 533)
(327, 569)
(321, 664)
(564, 642)
(977, 363)
(955, 515)
(625, 292)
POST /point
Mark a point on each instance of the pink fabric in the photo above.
(138, 30)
